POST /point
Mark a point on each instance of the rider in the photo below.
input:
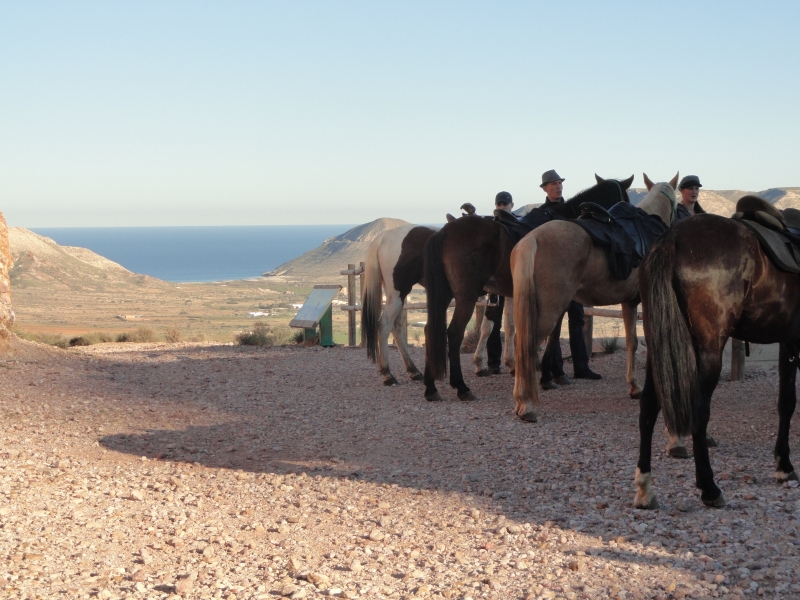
(494, 346)
(552, 362)
(689, 188)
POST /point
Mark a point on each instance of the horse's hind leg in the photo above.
(709, 367)
(648, 413)
(631, 344)
(402, 346)
(787, 399)
(508, 327)
(392, 310)
(455, 335)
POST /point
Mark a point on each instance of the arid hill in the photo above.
(39, 261)
(723, 202)
(337, 252)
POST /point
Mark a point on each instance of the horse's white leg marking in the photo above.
(486, 330)
(645, 498)
(508, 326)
(676, 447)
(782, 476)
(402, 344)
(390, 313)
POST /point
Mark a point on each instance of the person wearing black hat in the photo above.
(689, 188)
(552, 361)
(494, 345)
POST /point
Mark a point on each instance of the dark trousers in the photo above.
(552, 361)
(494, 347)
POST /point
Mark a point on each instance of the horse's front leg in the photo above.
(391, 312)
(455, 335)
(401, 341)
(632, 344)
(508, 326)
(487, 325)
(787, 399)
(648, 413)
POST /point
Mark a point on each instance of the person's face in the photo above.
(505, 207)
(554, 190)
(689, 194)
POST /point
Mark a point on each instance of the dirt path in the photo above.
(200, 471)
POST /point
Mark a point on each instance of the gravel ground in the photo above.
(212, 471)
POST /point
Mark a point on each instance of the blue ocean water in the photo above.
(183, 254)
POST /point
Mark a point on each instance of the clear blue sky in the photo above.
(250, 113)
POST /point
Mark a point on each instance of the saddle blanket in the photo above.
(626, 237)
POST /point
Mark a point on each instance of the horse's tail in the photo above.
(372, 300)
(526, 318)
(670, 352)
(439, 296)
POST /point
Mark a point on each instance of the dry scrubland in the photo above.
(212, 471)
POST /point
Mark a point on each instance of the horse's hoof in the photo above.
(416, 376)
(636, 395)
(390, 381)
(782, 477)
(434, 397)
(643, 503)
(483, 373)
(467, 396)
(717, 502)
(678, 452)
(530, 416)
(710, 441)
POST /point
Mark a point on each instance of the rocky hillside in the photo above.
(723, 202)
(337, 252)
(39, 261)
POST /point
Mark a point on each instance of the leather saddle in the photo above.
(625, 216)
(778, 231)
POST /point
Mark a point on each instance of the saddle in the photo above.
(518, 227)
(777, 231)
(624, 231)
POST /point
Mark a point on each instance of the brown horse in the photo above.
(466, 257)
(705, 280)
(542, 293)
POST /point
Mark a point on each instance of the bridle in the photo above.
(673, 202)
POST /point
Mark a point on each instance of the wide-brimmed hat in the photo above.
(503, 198)
(549, 176)
(689, 181)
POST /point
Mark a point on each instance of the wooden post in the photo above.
(351, 300)
(361, 297)
(588, 332)
(737, 360)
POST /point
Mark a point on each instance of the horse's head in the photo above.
(606, 193)
(660, 199)
(624, 184)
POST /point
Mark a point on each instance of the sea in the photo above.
(197, 254)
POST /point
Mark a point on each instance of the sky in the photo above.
(269, 113)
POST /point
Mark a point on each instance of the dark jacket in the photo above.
(549, 203)
(683, 213)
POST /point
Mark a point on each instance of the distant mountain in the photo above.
(39, 261)
(337, 252)
(723, 202)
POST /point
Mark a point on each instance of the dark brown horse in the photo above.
(708, 279)
(466, 257)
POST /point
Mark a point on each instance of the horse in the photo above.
(394, 263)
(466, 257)
(543, 293)
(705, 280)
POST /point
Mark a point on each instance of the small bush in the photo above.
(172, 335)
(609, 345)
(79, 341)
(51, 339)
(124, 337)
(261, 335)
(298, 337)
(143, 335)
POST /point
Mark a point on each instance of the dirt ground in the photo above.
(201, 470)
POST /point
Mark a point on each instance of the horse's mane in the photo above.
(606, 194)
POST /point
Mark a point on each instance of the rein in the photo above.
(673, 202)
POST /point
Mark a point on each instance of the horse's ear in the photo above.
(599, 179)
(450, 218)
(674, 181)
(626, 183)
(647, 182)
